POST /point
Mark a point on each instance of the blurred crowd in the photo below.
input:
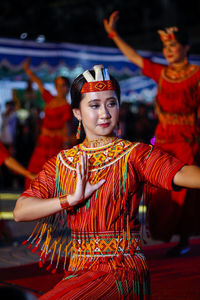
(21, 120)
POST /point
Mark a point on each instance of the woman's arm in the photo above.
(128, 51)
(33, 208)
(12, 164)
(188, 176)
(32, 76)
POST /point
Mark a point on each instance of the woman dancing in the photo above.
(56, 128)
(177, 132)
(95, 187)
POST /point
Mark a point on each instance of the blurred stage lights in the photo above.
(23, 35)
(41, 38)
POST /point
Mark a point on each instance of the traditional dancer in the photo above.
(177, 132)
(56, 125)
(95, 188)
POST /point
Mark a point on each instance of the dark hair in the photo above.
(77, 85)
(67, 82)
(182, 37)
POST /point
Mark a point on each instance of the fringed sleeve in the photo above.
(43, 185)
(155, 166)
(50, 235)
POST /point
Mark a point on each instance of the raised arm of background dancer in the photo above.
(128, 51)
(188, 176)
(32, 208)
(12, 164)
(32, 76)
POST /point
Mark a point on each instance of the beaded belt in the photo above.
(105, 244)
(174, 118)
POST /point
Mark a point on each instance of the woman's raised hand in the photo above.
(110, 24)
(83, 187)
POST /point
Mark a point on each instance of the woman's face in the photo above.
(99, 113)
(61, 87)
(174, 52)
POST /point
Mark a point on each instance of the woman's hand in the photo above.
(31, 175)
(83, 187)
(110, 25)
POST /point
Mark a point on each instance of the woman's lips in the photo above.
(104, 125)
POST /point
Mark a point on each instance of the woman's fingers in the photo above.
(86, 167)
(110, 24)
(97, 185)
(114, 17)
(78, 171)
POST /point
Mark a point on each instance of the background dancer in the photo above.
(177, 132)
(96, 187)
(56, 126)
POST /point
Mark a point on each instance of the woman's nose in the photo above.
(104, 113)
(168, 49)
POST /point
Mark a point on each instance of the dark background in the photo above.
(81, 21)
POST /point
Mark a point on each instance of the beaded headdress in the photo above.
(101, 81)
(167, 34)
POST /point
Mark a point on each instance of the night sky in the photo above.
(81, 21)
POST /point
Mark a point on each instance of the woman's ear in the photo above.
(77, 113)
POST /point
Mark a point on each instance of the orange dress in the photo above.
(178, 133)
(53, 132)
(106, 259)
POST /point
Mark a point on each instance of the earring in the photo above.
(118, 130)
(78, 132)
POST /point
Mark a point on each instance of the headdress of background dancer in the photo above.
(168, 34)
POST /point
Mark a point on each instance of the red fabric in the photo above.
(105, 215)
(53, 132)
(47, 96)
(175, 97)
(55, 114)
(182, 141)
(3, 153)
(167, 278)
(43, 185)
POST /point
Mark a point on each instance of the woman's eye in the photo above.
(94, 106)
(111, 104)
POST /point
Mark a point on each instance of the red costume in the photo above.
(3, 154)
(106, 260)
(178, 133)
(53, 132)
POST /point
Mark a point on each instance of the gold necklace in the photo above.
(178, 68)
(99, 142)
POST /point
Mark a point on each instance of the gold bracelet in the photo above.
(64, 202)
